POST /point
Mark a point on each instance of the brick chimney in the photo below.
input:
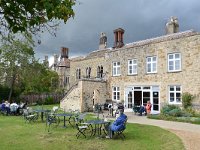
(64, 52)
(172, 26)
(118, 33)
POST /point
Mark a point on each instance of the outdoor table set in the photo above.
(69, 115)
(42, 112)
(97, 126)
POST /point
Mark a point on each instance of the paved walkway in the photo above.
(189, 133)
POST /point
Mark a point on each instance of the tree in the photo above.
(39, 79)
(34, 15)
(14, 58)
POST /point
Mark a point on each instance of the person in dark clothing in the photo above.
(117, 125)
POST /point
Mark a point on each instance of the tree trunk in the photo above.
(11, 88)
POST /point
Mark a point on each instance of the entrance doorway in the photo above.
(139, 95)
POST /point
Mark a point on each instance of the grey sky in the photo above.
(141, 19)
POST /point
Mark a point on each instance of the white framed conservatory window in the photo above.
(116, 69)
(175, 92)
(115, 93)
(151, 63)
(174, 62)
(132, 66)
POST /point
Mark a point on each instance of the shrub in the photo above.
(175, 112)
(167, 108)
(48, 101)
(187, 100)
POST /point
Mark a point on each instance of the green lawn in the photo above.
(15, 134)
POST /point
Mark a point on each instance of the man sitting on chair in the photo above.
(118, 124)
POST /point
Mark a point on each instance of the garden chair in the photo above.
(80, 125)
(29, 115)
(136, 109)
(52, 120)
(120, 132)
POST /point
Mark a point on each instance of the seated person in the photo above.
(3, 106)
(148, 107)
(117, 125)
(7, 107)
(142, 109)
(14, 107)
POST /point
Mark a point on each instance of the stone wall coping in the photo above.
(93, 80)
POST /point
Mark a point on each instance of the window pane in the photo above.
(177, 56)
(114, 71)
(154, 66)
(154, 58)
(117, 88)
(171, 56)
(178, 88)
(118, 70)
(149, 68)
(134, 61)
(178, 95)
(114, 88)
(130, 61)
(171, 88)
(118, 63)
(149, 59)
(177, 64)
(171, 63)
(171, 99)
(178, 99)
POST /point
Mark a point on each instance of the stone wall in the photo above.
(81, 96)
(88, 87)
(188, 77)
(186, 43)
(73, 99)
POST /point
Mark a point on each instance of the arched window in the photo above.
(78, 73)
(88, 72)
(100, 72)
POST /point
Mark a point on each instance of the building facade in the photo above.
(160, 69)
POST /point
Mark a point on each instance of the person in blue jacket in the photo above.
(118, 124)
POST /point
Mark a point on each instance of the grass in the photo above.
(18, 135)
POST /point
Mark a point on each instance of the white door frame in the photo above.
(153, 88)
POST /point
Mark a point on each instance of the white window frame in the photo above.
(116, 68)
(115, 93)
(151, 63)
(174, 60)
(174, 92)
(132, 66)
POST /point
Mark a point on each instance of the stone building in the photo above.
(160, 69)
(62, 67)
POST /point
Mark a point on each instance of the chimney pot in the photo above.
(118, 34)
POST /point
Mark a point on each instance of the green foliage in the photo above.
(16, 55)
(49, 101)
(175, 112)
(166, 110)
(4, 92)
(187, 100)
(39, 79)
(32, 15)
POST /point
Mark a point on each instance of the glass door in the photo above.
(155, 102)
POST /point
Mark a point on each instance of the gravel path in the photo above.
(189, 133)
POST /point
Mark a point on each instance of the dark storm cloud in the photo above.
(141, 19)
